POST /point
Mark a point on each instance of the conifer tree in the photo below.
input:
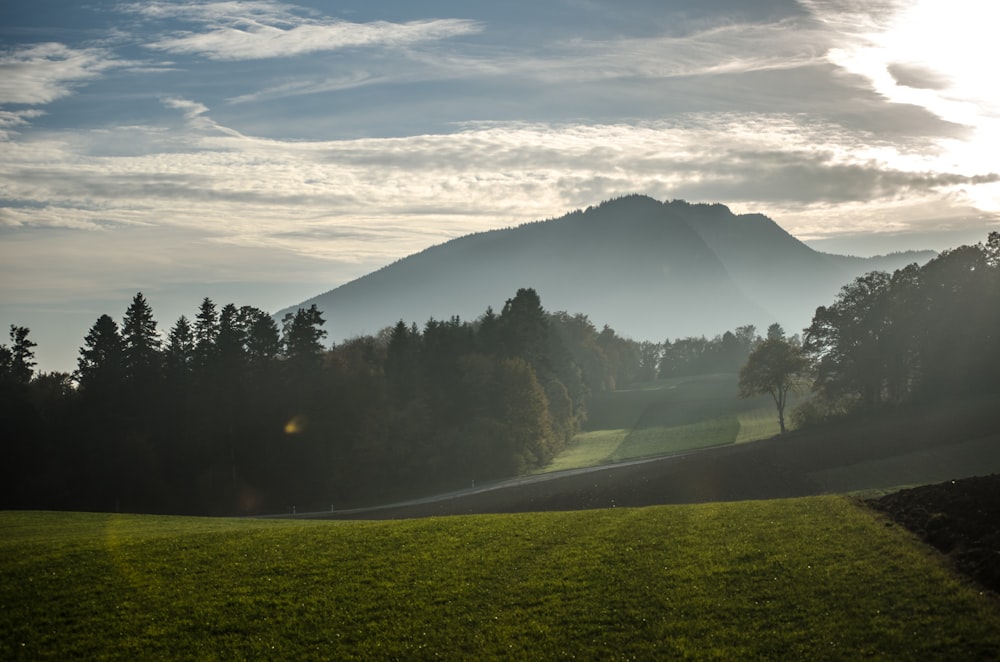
(302, 335)
(206, 332)
(99, 366)
(261, 337)
(18, 362)
(179, 355)
(141, 343)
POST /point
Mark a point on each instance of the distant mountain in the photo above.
(650, 270)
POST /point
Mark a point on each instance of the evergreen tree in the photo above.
(99, 366)
(302, 336)
(489, 334)
(261, 336)
(141, 345)
(525, 329)
(402, 363)
(206, 332)
(19, 360)
(179, 355)
(19, 424)
(229, 342)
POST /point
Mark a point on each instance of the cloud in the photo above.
(378, 199)
(41, 73)
(215, 11)
(917, 76)
(9, 119)
(726, 49)
(304, 87)
(734, 48)
(275, 31)
(191, 109)
(259, 30)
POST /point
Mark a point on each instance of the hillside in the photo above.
(648, 269)
(910, 446)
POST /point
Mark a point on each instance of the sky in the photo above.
(264, 152)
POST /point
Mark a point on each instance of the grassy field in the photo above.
(668, 416)
(817, 578)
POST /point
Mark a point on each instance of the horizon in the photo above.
(65, 351)
(263, 152)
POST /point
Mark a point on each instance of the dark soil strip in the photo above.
(961, 518)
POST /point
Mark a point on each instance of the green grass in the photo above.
(759, 423)
(644, 442)
(588, 449)
(665, 403)
(817, 578)
(668, 416)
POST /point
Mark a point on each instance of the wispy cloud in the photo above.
(41, 73)
(733, 48)
(259, 30)
(387, 197)
(727, 49)
(306, 87)
(10, 120)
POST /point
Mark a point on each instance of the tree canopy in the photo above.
(921, 332)
(775, 367)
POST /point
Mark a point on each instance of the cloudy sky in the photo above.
(263, 152)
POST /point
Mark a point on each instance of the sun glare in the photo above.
(939, 55)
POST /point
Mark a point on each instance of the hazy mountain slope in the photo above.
(774, 269)
(650, 270)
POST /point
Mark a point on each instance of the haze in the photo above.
(263, 152)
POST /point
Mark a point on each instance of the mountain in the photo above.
(650, 270)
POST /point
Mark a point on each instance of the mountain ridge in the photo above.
(651, 270)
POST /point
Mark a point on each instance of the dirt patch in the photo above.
(961, 518)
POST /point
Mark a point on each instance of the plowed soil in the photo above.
(961, 518)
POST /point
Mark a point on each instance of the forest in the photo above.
(232, 413)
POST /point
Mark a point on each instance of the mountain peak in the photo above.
(651, 270)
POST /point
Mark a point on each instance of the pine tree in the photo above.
(99, 366)
(19, 360)
(206, 332)
(302, 335)
(261, 337)
(141, 343)
(525, 329)
(229, 342)
(179, 355)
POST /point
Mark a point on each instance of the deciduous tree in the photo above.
(775, 367)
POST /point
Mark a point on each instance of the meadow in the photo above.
(668, 416)
(812, 578)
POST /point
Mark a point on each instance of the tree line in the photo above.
(914, 336)
(233, 413)
(918, 334)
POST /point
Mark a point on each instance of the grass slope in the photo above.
(668, 416)
(817, 578)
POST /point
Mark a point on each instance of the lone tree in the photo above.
(775, 367)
